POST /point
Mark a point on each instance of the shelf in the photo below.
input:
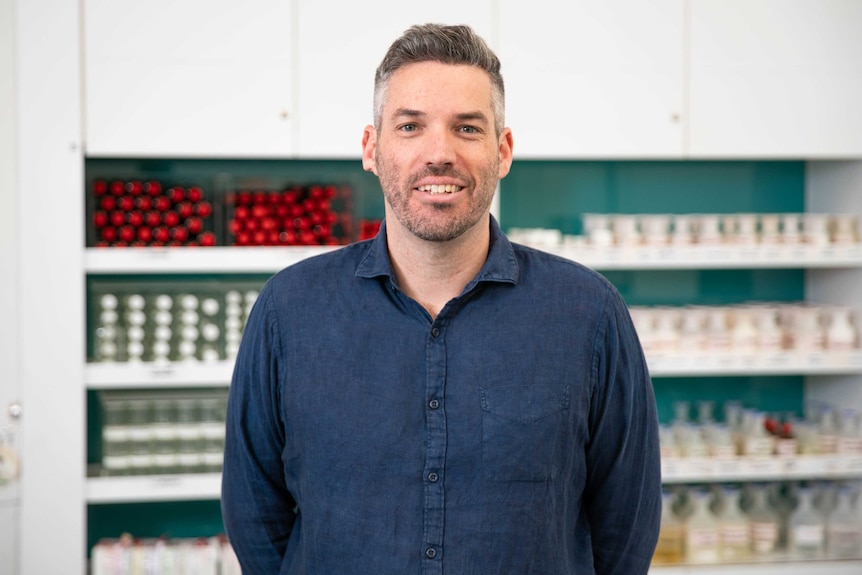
(272, 259)
(729, 364)
(710, 257)
(135, 489)
(197, 260)
(134, 375)
(766, 567)
(715, 470)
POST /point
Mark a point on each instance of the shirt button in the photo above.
(430, 553)
(435, 331)
(433, 477)
(433, 404)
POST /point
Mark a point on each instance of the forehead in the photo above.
(430, 87)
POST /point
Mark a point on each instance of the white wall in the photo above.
(8, 267)
(50, 286)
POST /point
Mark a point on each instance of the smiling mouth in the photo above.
(435, 189)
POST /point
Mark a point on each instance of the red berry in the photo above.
(145, 235)
(172, 219)
(185, 210)
(126, 234)
(153, 219)
(195, 194)
(144, 203)
(117, 188)
(207, 239)
(203, 209)
(118, 219)
(134, 188)
(108, 203)
(152, 188)
(195, 225)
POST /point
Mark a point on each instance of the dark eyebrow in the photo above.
(473, 116)
(464, 117)
(407, 112)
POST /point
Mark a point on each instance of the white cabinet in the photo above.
(339, 53)
(188, 79)
(594, 79)
(775, 78)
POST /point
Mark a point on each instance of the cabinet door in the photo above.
(188, 78)
(339, 53)
(776, 78)
(594, 79)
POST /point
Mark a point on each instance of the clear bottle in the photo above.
(827, 431)
(764, 523)
(806, 531)
(841, 334)
(843, 528)
(849, 438)
(702, 539)
(756, 441)
(670, 548)
(733, 527)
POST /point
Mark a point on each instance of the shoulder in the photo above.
(558, 272)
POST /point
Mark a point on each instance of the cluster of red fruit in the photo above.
(295, 216)
(144, 213)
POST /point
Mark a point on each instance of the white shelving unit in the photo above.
(50, 155)
(133, 489)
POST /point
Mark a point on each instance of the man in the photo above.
(438, 399)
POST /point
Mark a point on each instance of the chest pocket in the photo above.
(522, 430)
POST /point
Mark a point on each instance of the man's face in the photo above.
(436, 152)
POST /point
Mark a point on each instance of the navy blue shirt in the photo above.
(514, 434)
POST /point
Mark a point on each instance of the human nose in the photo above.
(440, 149)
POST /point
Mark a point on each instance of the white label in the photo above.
(764, 535)
(115, 433)
(702, 544)
(809, 535)
(735, 535)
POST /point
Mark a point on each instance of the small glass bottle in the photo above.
(843, 528)
(806, 532)
(733, 527)
(757, 441)
(671, 538)
(702, 539)
(764, 523)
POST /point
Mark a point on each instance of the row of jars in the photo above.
(728, 523)
(712, 229)
(750, 328)
(162, 432)
(825, 429)
(161, 324)
(181, 556)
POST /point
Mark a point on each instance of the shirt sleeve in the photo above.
(257, 509)
(622, 497)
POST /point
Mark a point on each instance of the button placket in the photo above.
(435, 455)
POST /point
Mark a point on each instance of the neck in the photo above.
(432, 273)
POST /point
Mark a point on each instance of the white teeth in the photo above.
(439, 189)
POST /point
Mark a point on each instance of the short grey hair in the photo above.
(447, 45)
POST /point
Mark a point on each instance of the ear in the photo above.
(506, 144)
(369, 146)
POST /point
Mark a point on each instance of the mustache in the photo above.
(441, 171)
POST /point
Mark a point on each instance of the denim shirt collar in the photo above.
(500, 266)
